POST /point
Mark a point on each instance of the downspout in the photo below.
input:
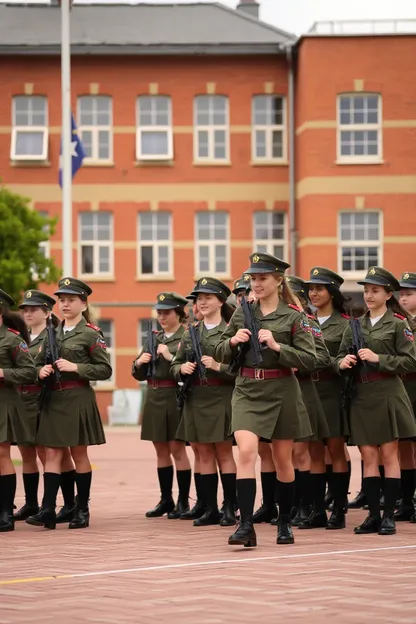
(292, 190)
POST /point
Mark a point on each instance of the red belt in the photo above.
(210, 382)
(408, 376)
(29, 389)
(161, 383)
(324, 376)
(367, 377)
(69, 385)
(265, 373)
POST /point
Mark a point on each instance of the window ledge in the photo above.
(169, 162)
(359, 161)
(30, 163)
(96, 278)
(269, 163)
(212, 163)
(98, 163)
(155, 278)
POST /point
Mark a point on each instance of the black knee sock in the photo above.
(246, 495)
(51, 483)
(209, 484)
(362, 473)
(349, 474)
(371, 487)
(198, 487)
(68, 487)
(296, 496)
(391, 494)
(229, 486)
(329, 478)
(407, 486)
(165, 476)
(286, 495)
(268, 486)
(184, 484)
(304, 486)
(31, 484)
(83, 481)
(276, 491)
(8, 492)
(382, 477)
(340, 482)
(318, 486)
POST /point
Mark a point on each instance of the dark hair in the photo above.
(286, 293)
(396, 308)
(181, 314)
(56, 321)
(339, 301)
(13, 320)
(87, 314)
(227, 310)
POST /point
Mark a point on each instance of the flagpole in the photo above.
(66, 140)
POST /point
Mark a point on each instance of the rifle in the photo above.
(194, 355)
(51, 356)
(151, 367)
(357, 343)
(250, 323)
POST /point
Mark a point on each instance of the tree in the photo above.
(22, 264)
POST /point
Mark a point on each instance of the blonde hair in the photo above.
(286, 293)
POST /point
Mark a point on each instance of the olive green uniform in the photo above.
(28, 395)
(18, 368)
(160, 415)
(71, 417)
(206, 416)
(381, 410)
(272, 408)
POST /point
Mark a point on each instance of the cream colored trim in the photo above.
(356, 185)
(153, 88)
(241, 244)
(29, 163)
(399, 123)
(269, 87)
(125, 244)
(358, 84)
(124, 129)
(94, 88)
(240, 129)
(359, 202)
(95, 206)
(154, 205)
(359, 160)
(28, 88)
(184, 244)
(211, 88)
(154, 163)
(56, 245)
(103, 387)
(411, 240)
(130, 351)
(317, 240)
(212, 205)
(212, 163)
(269, 163)
(317, 124)
(183, 130)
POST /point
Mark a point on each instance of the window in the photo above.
(360, 239)
(95, 127)
(155, 244)
(107, 327)
(212, 242)
(269, 233)
(211, 128)
(30, 128)
(96, 243)
(154, 137)
(268, 123)
(143, 327)
(359, 128)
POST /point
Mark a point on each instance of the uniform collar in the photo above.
(3, 330)
(332, 320)
(39, 337)
(218, 329)
(387, 318)
(174, 336)
(281, 310)
(79, 328)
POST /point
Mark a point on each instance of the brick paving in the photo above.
(161, 570)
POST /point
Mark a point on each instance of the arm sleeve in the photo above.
(404, 361)
(23, 371)
(98, 368)
(302, 353)
(224, 352)
(344, 349)
(323, 358)
(140, 372)
(179, 358)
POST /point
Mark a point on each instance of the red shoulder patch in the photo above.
(399, 316)
(311, 316)
(14, 331)
(291, 305)
(93, 327)
(346, 316)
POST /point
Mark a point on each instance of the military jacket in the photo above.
(15, 359)
(36, 342)
(332, 332)
(391, 338)
(323, 358)
(85, 346)
(290, 328)
(209, 340)
(163, 370)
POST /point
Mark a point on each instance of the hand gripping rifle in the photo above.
(151, 367)
(51, 356)
(250, 323)
(194, 355)
(357, 343)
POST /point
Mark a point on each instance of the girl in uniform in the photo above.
(381, 412)
(267, 401)
(206, 415)
(161, 416)
(324, 293)
(70, 416)
(16, 368)
(37, 308)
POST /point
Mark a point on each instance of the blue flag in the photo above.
(77, 151)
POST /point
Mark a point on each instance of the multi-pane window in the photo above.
(360, 241)
(154, 244)
(96, 243)
(154, 137)
(107, 327)
(269, 233)
(95, 127)
(268, 128)
(211, 137)
(143, 329)
(212, 243)
(359, 127)
(30, 128)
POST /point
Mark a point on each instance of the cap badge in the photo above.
(372, 272)
(67, 282)
(29, 294)
(162, 298)
(246, 277)
(406, 276)
(316, 272)
(204, 282)
(256, 259)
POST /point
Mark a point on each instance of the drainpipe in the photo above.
(292, 191)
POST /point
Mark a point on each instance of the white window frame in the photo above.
(141, 334)
(270, 243)
(95, 130)
(155, 244)
(154, 128)
(211, 244)
(354, 275)
(96, 245)
(112, 353)
(364, 127)
(210, 129)
(17, 129)
(269, 129)
(46, 245)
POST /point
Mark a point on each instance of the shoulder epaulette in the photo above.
(14, 331)
(93, 327)
(399, 316)
(311, 316)
(156, 331)
(346, 316)
(291, 305)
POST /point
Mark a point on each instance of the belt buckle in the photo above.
(155, 384)
(259, 374)
(24, 390)
(315, 376)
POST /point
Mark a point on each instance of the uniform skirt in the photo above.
(270, 408)
(317, 419)
(330, 394)
(160, 415)
(206, 416)
(30, 407)
(14, 423)
(70, 418)
(381, 412)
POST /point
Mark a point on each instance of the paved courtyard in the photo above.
(128, 569)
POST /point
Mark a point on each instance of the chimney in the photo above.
(251, 7)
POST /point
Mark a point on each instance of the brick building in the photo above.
(189, 115)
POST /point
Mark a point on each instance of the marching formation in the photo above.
(288, 375)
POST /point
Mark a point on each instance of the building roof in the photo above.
(139, 29)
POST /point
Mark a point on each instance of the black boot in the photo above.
(47, 515)
(230, 499)
(267, 511)
(81, 519)
(407, 508)
(340, 482)
(303, 509)
(211, 515)
(184, 484)
(31, 506)
(371, 487)
(245, 534)
(166, 504)
(329, 497)
(317, 518)
(8, 491)
(391, 494)
(284, 527)
(67, 512)
(198, 509)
